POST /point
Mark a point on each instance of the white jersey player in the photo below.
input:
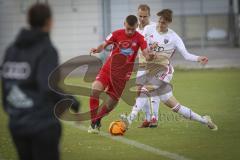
(144, 20)
(164, 41)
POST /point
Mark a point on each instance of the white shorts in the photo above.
(160, 82)
(165, 76)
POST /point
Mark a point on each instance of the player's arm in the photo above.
(99, 48)
(188, 56)
(148, 54)
(109, 40)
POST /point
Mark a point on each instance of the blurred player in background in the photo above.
(164, 41)
(27, 99)
(143, 21)
(117, 69)
(143, 14)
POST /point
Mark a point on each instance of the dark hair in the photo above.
(131, 20)
(38, 14)
(144, 7)
(166, 14)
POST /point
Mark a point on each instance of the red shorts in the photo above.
(114, 86)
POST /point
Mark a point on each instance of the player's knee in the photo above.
(144, 92)
(97, 85)
(95, 93)
(97, 88)
(139, 89)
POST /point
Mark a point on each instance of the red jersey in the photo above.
(124, 51)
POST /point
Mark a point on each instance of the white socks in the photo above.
(147, 110)
(155, 101)
(188, 113)
(141, 101)
(144, 103)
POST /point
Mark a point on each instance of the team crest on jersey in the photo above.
(166, 41)
(125, 44)
(134, 44)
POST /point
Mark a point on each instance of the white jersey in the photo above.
(166, 44)
(142, 30)
(142, 60)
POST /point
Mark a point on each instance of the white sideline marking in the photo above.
(136, 144)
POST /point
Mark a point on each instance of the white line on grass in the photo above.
(136, 144)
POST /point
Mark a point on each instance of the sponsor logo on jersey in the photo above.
(125, 47)
(166, 41)
(126, 51)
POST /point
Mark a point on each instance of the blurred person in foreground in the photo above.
(27, 98)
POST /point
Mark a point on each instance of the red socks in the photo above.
(95, 115)
(94, 103)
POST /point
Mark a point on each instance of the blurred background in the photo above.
(209, 27)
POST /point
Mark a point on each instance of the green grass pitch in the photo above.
(213, 92)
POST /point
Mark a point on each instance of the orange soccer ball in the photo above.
(117, 128)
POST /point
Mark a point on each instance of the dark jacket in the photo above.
(27, 97)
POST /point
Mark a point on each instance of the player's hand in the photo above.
(151, 55)
(203, 60)
(94, 51)
(153, 46)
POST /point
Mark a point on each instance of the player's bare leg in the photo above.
(189, 114)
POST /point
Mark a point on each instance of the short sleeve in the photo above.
(110, 38)
(142, 42)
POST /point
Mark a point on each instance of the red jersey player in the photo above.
(117, 69)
